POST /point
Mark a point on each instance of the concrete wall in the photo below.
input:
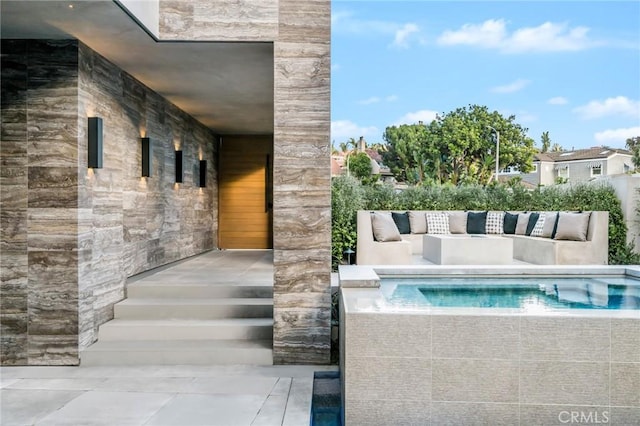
(72, 235)
(627, 189)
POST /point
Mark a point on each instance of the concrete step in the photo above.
(194, 308)
(186, 352)
(174, 329)
(171, 290)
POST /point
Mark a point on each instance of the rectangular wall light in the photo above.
(203, 173)
(94, 148)
(147, 155)
(179, 167)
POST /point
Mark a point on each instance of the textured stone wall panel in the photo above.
(13, 199)
(53, 187)
(302, 198)
(301, 272)
(221, 20)
(308, 228)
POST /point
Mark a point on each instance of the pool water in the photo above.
(326, 402)
(519, 293)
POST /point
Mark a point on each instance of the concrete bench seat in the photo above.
(536, 250)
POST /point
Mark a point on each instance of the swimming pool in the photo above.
(612, 292)
(445, 351)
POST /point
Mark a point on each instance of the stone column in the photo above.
(302, 186)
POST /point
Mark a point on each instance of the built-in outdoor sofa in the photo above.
(545, 238)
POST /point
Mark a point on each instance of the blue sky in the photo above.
(571, 68)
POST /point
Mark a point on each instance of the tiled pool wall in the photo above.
(485, 366)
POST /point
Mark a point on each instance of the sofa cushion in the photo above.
(572, 226)
(402, 222)
(437, 223)
(533, 218)
(418, 222)
(550, 222)
(384, 228)
(476, 222)
(539, 226)
(495, 223)
(523, 221)
(510, 222)
(457, 222)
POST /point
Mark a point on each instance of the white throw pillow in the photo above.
(437, 223)
(495, 223)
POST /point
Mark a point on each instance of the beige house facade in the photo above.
(191, 77)
(577, 166)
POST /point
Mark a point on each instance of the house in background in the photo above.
(339, 162)
(575, 166)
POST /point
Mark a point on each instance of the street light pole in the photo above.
(497, 151)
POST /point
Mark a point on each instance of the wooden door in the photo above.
(245, 192)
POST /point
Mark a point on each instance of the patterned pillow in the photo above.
(539, 226)
(437, 223)
(495, 223)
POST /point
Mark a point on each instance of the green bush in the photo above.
(349, 196)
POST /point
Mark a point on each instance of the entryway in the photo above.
(245, 192)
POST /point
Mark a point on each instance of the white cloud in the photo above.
(369, 101)
(402, 35)
(515, 86)
(376, 99)
(619, 105)
(558, 100)
(343, 130)
(425, 115)
(616, 136)
(490, 33)
(345, 22)
(335, 67)
(493, 34)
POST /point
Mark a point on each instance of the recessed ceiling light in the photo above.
(70, 6)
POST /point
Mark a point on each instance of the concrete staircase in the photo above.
(169, 322)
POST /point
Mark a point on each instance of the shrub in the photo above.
(349, 196)
(346, 199)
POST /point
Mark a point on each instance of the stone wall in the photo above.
(72, 235)
(302, 183)
(220, 20)
(39, 156)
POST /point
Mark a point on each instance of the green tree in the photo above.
(360, 165)
(458, 147)
(557, 147)
(633, 145)
(546, 142)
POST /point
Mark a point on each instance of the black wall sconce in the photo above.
(147, 154)
(179, 167)
(94, 148)
(203, 173)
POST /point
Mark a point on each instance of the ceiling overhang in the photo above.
(227, 86)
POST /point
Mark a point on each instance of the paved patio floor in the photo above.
(157, 395)
(180, 395)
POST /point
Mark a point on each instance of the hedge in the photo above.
(349, 196)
